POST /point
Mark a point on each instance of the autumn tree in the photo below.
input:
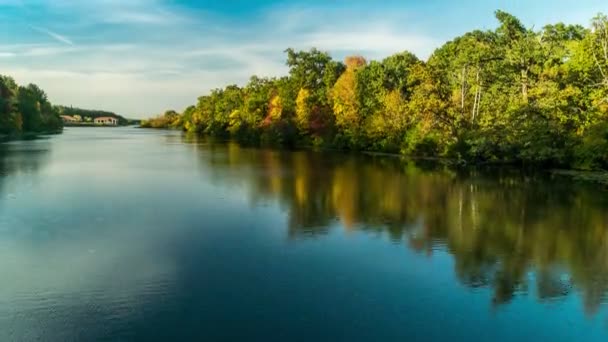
(510, 94)
(344, 99)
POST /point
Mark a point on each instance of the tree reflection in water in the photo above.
(507, 230)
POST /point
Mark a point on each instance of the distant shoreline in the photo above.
(91, 125)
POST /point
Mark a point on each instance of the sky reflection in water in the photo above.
(113, 234)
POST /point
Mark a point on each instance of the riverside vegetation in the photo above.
(513, 94)
(26, 110)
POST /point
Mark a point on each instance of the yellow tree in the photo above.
(303, 110)
(344, 96)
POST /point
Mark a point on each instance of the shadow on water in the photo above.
(506, 229)
(19, 157)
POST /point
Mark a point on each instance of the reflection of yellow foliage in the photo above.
(274, 168)
(497, 229)
(301, 190)
(275, 183)
(344, 196)
(234, 152)
(300, 169)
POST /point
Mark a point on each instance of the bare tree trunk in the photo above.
(477, 96)
(479, 100)
(605, 43)
(599, 66)
(524, 84)
(463, 89)
(601, 32)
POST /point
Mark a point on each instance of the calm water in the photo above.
(125, 234)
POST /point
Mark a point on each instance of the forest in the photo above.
(510, 95)
(26, 110)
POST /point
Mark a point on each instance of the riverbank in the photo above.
(597, 177)
(583, 176)
(26, 136)
(92, 124)
(587, 176)
(89, 124)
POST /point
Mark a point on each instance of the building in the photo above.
(106, 120)
(68, 119)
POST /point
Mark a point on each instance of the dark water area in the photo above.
(136, 235)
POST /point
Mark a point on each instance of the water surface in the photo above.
(121, 234)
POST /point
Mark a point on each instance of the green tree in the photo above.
(512, 94)
(10, 119)
(314, 74)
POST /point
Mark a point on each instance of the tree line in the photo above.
(513, 94)
(92, 114)
(26, 109)
(170, 119)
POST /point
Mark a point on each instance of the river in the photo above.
(123, 234)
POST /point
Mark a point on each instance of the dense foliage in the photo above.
(171, 119)
(513, 94)
(91, 114)
(26, 109)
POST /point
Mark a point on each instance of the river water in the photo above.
(123, 234)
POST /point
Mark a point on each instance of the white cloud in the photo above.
(141, 57)
(58, 37)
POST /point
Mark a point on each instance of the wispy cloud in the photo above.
(58, 37)
(142, 57)
(127, 12)
(139, 57)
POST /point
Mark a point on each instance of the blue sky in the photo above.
(140, 57)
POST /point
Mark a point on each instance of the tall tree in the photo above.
(344, 97)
